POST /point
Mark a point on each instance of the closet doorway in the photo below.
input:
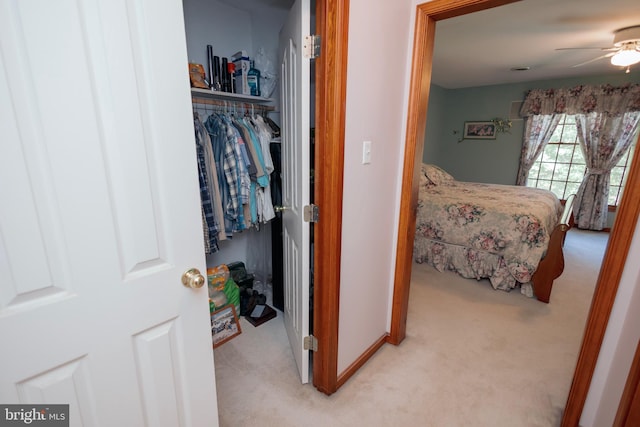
(615, 257)
(328, 153)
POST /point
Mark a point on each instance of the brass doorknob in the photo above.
(192, 278)
(280, 208)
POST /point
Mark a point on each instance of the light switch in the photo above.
(366, 152)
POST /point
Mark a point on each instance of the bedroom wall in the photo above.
(493, 161)
(436, 112)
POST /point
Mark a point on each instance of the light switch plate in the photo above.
(366, 152)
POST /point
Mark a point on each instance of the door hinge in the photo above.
(311, 46)
(311, 213)
(311, 343)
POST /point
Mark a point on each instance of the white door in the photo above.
(294, 99)
(100, 215)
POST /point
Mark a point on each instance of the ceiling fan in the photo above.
(626, 50)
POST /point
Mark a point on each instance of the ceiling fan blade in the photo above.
(608, 55)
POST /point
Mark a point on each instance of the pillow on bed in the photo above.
(436, 175)
(424, 181)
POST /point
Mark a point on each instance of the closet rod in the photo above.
(247, 106)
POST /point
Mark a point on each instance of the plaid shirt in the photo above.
(228, 180)
(212, 227)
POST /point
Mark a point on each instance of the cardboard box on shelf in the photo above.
(242, 63)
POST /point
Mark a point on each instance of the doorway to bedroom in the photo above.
(619, 246)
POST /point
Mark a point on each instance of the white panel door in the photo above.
(295, 99)
(100, 215)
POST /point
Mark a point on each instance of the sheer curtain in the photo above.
(538, 130)
(542, 110)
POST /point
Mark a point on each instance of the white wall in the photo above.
(618, 347)
(380, 37)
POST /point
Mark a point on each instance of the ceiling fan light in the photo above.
(625, 57)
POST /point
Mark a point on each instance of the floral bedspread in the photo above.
(500, 232)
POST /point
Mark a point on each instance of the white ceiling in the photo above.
(479, 49)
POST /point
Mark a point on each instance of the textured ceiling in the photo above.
(479, 49)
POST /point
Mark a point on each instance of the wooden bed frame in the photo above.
(552, 265)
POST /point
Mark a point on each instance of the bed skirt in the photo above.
(471, 264)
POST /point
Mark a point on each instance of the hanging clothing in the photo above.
(223, 143)
(234, 168)
(212, 214)
(265, 134)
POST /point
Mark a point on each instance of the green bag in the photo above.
(232, 291)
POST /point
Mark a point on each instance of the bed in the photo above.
(511, 235)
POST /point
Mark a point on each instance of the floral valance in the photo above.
(583, 99)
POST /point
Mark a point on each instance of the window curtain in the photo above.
(604, 139)
(542, 110)
(537, 133)
(606, 119)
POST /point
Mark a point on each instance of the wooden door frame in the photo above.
(427, 14)
(332, 24)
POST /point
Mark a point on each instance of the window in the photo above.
(561, 166)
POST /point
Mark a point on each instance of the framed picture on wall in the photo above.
(224, 325)
(479, 130)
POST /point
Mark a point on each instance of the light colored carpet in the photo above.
(472, 357)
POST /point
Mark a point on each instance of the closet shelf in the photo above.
(210, 94)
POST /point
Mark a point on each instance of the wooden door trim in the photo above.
(332, 24)
(620, 240)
